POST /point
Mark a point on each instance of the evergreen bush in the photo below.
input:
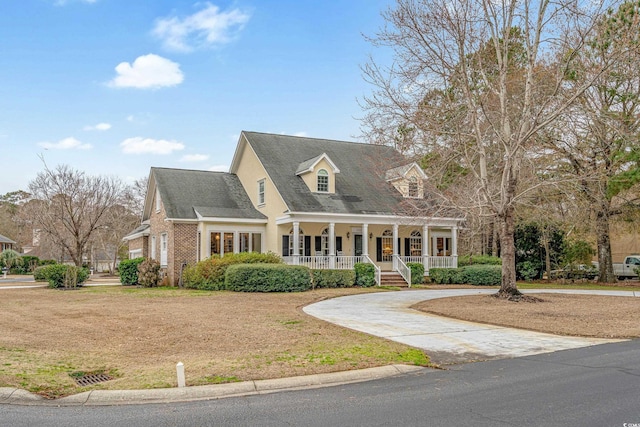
(333, 278)
(209, 274)
(62, 275)
(465, 260)
(267, 278)
(417, 272)
(128, 270)
(479, 275)
(365, 274)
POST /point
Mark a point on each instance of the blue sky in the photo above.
(113, 87)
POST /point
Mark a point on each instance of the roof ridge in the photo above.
(189, 170)
(312, 137)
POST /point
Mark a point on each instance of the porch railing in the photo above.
(403, 269)
(441, 262)
(408, 259)
(339, 262)
(365, 258)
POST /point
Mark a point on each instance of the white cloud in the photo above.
(205, 28)
(303, 134)
(99, 126)
(139, 145)
(148, 72)
(219, 168)
(65, 144)
(130, 118)
(194, 158)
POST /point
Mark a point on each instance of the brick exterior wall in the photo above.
(183, 247)
(140, 243)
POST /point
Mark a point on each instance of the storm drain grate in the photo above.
(87, 380)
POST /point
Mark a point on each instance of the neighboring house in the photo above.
(342, 202)
(6, 243)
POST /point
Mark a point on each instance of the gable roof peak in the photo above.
(402, 171)
(309, 165)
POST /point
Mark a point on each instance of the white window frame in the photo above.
(157, 200)
(387, 246)
(300, 238)
(415, 243)
(164, 249)
(261, 191)
(322, 173)
(154, 252)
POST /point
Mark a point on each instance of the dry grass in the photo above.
(138, 335)
(577, 315)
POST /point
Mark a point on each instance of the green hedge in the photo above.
(365, 274)
(333, 278)
(209, 274)
(417, 273)
(128, 270)
(480, 275)
(465, 260)
(267, 278)
(62, 275)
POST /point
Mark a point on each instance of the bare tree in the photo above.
(478, 81)
(71, 206)
(600, 134)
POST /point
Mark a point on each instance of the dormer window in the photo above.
(414, 189)
(323, 181)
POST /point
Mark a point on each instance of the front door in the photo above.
(357, 244)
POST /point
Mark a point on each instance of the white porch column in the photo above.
(426, 248)
(395, 246)
(332, 245)
(365, 239)
(236, 242)
(296, 242)
(454, 245)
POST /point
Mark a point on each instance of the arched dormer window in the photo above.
(323, 181)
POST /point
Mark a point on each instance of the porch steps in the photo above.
(392, 279)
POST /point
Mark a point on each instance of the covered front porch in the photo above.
(388, 242)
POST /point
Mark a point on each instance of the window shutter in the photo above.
(407, 247)
(285, 245)
(307, 245)
(318, 244)
(338, 243)
(399, 246)
(379, 249)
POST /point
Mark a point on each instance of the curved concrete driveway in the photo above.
(387, 315)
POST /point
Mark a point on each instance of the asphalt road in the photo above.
(593, 386)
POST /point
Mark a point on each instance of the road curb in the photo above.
(13, 396)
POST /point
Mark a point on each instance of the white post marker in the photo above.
(180, 369)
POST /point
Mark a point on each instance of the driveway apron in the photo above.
(446, 340)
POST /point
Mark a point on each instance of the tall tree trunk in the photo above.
(508, 288)
(605, 262)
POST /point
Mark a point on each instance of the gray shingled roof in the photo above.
(140, 229)
(212, 194)
(4, 239)
(361, 187)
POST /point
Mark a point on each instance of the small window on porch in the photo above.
(324, 242)
(301, 240)
(415, 243)
(387, 246)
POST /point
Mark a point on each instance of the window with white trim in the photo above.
(301, 240)
(157, 200)
(324, 242)
(153, 247)
(323, 181)
(415, 243)
(387, 246)
(164, 249)
(261, 192)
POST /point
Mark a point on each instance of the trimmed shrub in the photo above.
(63, 276)
(209, 274)
(40, 273)
(365, 274)
(528, 270)
(443, 276)
(128, 270)
(417, 273)
(465, 260)
(149, 273)
(333, 278)
(267, 278)
(479, 275)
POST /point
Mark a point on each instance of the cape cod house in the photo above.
(315, 202)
